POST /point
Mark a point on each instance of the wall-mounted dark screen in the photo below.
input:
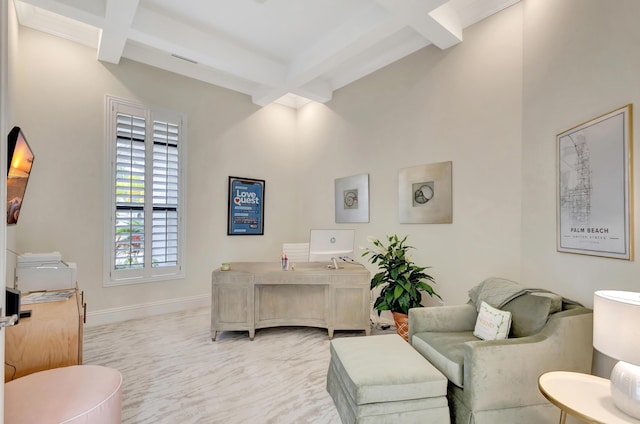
(19, 162)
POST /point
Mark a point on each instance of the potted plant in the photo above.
(403, 281)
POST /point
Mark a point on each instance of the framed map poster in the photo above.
(594, 205)
(246, 207)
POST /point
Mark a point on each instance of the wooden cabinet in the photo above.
(258, 295)
(233, 297)
(50, 338)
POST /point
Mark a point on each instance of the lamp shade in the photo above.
(616, 324)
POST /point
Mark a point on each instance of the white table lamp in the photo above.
(616, 333)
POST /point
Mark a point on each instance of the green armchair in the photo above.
(497, 381)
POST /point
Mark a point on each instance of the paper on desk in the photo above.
(47, 296)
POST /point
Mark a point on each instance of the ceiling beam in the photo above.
(441, 26)
(217, 52)
(318, 91)
(395, 48)
(61, 26)
(383, 31)
(119, 16)
(90, 12)
(161, 60)
(344, 42)
(435, 20)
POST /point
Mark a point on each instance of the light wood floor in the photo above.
(174, 373)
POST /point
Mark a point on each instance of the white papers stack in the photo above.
(42, 297)
(44, 271)
(39, 259)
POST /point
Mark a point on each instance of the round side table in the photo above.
(584, 396)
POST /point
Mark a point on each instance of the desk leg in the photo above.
(563, 417)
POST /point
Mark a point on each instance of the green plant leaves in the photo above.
(403, 281)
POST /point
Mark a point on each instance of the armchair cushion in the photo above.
(529, 314)
(556, 300)
(445, 350)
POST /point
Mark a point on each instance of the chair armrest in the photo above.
(504, 373)
(442, 318)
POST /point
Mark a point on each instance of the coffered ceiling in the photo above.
(289, 51)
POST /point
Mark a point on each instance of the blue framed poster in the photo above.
(246, 207)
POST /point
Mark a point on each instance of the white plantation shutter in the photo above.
(146, 228)
(130, 192)
(164, 233)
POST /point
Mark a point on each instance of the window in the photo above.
(144, 235)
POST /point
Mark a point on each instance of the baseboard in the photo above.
(124, 313)
(385, 318)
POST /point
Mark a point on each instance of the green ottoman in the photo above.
(382, 379)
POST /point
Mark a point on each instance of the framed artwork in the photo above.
(352, 198)
(594, 169)
(246, 207)
(425, 194)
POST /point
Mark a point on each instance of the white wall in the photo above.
(492, 105)
(429, 107)
(5, 99)
(461, 105)
(13, 59)
(581, 60)
(60, 106)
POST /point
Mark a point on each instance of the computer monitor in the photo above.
(12, 303)
(327, 244)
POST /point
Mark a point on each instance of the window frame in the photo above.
(148, 273)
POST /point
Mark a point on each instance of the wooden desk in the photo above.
(50, 338)
(260, 294)
(584, 396)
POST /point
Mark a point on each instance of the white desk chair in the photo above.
(296, 252)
